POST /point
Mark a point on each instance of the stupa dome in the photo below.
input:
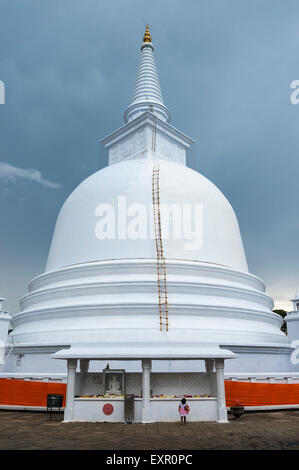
(216, 237)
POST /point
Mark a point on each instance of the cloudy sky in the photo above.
(225, 68)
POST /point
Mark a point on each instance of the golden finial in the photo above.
(147, 36)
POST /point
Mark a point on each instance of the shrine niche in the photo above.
(114, 381)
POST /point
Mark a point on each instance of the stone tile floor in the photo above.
(254, 430)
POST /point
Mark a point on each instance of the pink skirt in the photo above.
(183, 412)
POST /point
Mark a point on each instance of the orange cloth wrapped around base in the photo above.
(260, 394)
(33, 393)
(28, 392)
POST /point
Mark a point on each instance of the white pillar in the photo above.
(70, 389)
(210, 371)
(221, 404)
(210, 365)
(146, 384)
(84, 366)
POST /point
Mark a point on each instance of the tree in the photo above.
(282, 313)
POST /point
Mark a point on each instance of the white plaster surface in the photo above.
(91, 409)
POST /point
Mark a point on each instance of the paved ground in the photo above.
(262, 430)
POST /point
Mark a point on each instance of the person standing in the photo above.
(183, 410)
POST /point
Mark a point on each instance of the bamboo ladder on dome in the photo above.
(160, 258)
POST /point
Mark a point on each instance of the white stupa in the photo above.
(5, 320)
(292, 320)
(100, 284)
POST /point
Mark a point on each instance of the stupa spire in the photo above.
(147, 94)
(147, 35)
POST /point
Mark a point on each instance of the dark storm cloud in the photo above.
(225, 69)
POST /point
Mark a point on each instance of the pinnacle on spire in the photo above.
(147, 35)
(147, 95)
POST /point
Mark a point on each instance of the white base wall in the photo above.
(35, 359)
(91, 409)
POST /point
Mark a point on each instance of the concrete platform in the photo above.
(255, 430)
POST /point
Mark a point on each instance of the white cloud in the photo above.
(11, 173)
